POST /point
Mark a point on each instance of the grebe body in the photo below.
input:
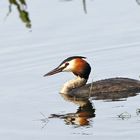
(108, 88)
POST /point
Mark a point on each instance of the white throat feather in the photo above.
(72, 84)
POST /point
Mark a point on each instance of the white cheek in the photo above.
(70, 67)
(67, 69)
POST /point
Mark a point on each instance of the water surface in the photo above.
(108, 35)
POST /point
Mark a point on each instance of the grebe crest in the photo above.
(79, 67)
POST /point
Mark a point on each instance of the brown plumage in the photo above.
(85, 71)
(113, 88)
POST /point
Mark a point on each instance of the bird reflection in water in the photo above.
(86, 109)
(82, 116)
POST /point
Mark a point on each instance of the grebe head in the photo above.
(75, 64)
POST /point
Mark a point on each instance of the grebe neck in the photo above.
(74, 83)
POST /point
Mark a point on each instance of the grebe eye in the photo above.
(66, 64)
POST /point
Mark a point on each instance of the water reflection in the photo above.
(138, 2)
(81, 117)
(86, 109)
(83, 4)
(22, 10)
(21, 6)
(115, 96)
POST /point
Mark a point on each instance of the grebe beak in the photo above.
(54, 71)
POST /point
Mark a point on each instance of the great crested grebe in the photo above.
(112, 87)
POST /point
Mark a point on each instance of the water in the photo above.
(108, 36)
